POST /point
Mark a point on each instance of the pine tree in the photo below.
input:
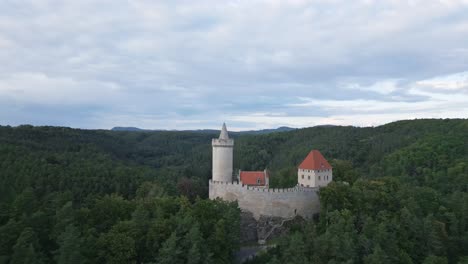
(140, 220)
(117, 246)
(435, 260)
(170, 253)
(69, 246)
(26, 249)
(63, 218)
(9, 233)
(296, 251)
(195, 240)
(378, 256)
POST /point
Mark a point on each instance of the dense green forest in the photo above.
(400, 195)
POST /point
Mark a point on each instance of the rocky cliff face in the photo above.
(266, 227)
(248, 228)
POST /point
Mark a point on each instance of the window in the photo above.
(258, 180)
(302, 176)
(307, 186)
(308, 177)
(319, 178)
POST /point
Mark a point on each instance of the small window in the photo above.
(302, 176)
(307, 186)
(319, 178)
(308, 177)
(258, 180)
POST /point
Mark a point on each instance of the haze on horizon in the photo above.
(252, 64)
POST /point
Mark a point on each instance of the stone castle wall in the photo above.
(283, 203)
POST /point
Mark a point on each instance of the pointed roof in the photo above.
(315, 161)
(224, 134)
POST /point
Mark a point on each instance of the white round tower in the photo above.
(222, 156)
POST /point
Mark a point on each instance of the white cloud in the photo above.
(382, 87)
(38, 88)
(452, 82)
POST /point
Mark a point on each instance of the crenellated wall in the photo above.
(283, 203)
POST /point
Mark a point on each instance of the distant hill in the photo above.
(128, 129)
(267, 131)
(211, 131)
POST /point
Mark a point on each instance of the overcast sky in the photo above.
(253, 64)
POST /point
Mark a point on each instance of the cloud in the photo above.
(38, 88)
(177, 64)
(382, 87)
(452, 82)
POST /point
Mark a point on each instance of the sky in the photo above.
(252, 64)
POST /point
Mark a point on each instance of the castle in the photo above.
(251, 188)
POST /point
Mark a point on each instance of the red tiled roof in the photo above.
(315, 161)
(250, 177)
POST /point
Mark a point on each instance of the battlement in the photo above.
(281, 202)
(218, 142)
(262, 189)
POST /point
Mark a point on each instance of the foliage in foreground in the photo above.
(110, 229)
(81, 196)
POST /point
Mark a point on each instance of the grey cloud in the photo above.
(182, 63)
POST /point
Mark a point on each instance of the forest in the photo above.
(399, 195)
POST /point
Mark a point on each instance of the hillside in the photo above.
(406, 183)
(211, 131)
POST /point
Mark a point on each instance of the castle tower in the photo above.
(314, 171)
(222, 156)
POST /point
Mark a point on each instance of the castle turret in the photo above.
(222, 156)
(314, 171)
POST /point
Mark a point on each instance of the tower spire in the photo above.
(224, 134)
(222, 156)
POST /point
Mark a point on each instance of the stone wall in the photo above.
(285, 203)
